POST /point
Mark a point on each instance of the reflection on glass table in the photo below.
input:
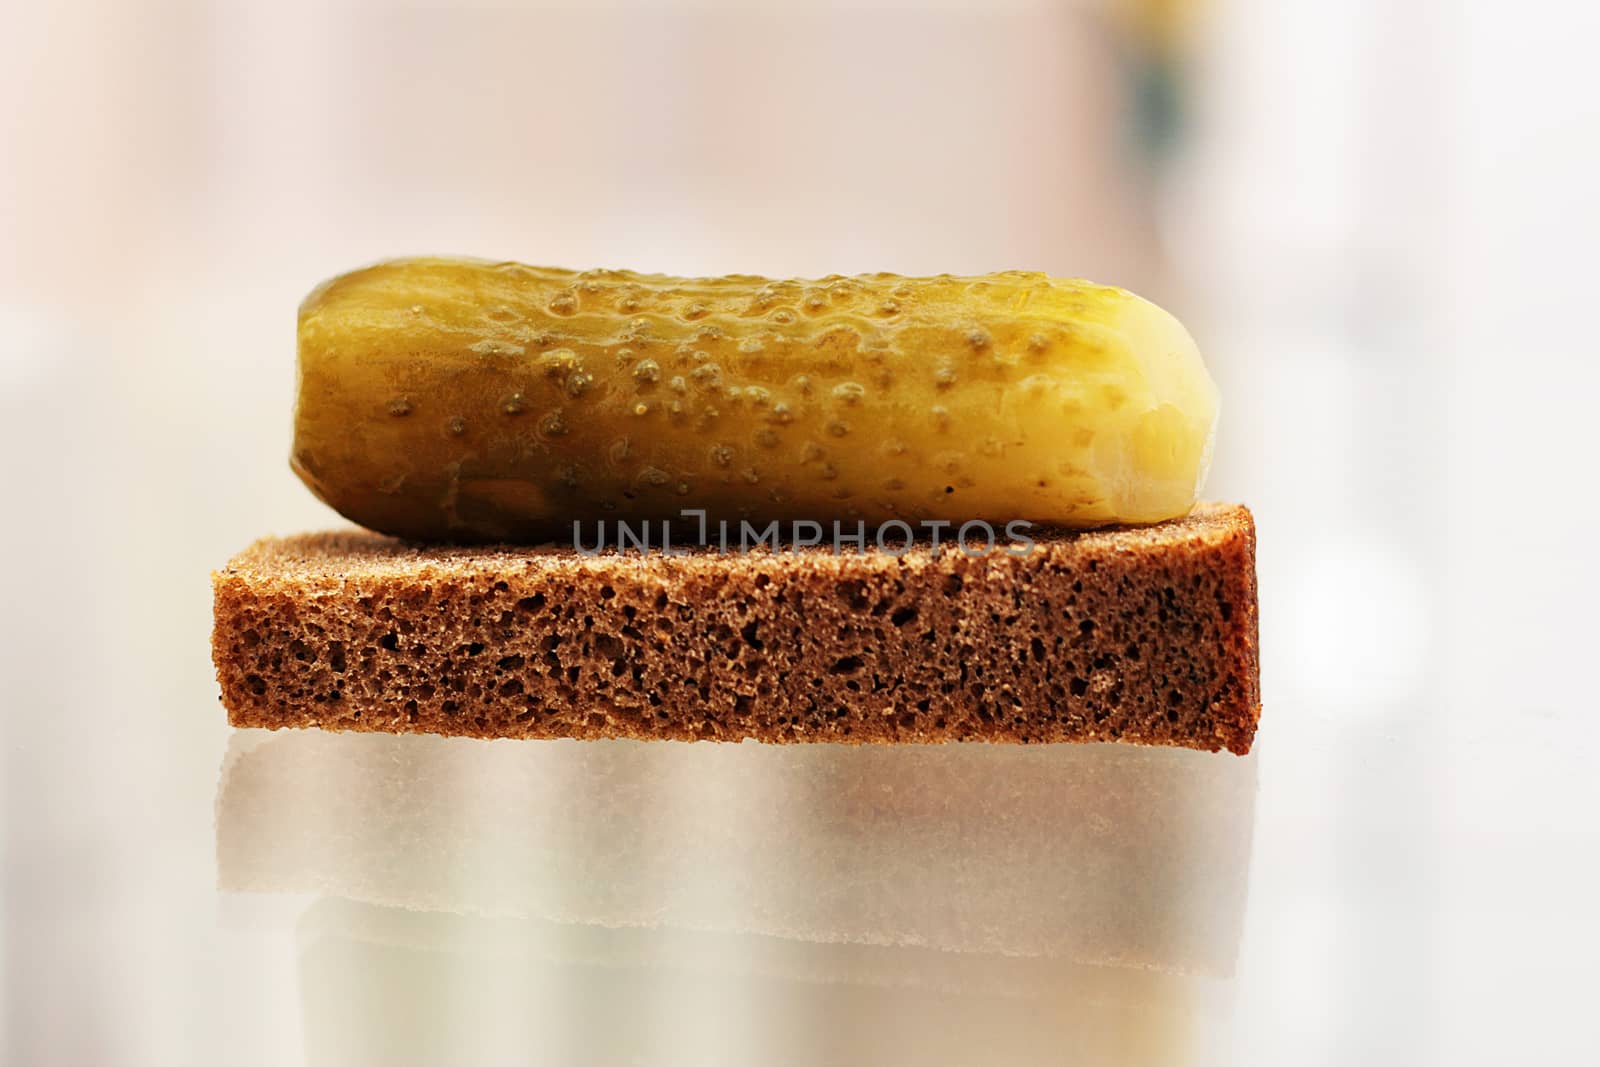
(627, 902)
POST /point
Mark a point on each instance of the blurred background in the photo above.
(1377, 216)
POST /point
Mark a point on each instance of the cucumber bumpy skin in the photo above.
(458, 400)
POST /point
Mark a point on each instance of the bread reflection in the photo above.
(1100, 854)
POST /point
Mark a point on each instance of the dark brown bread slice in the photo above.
(1143, 634)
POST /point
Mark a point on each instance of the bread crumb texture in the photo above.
(1138, 634)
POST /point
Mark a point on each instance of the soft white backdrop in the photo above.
(1380, 226)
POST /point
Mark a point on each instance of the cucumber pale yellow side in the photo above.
(446, 399)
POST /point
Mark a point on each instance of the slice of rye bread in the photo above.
(1142, 634)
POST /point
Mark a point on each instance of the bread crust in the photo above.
(1139, 634)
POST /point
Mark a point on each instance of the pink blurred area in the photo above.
(774, 138)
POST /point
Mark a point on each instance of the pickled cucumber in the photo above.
(446, 399)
